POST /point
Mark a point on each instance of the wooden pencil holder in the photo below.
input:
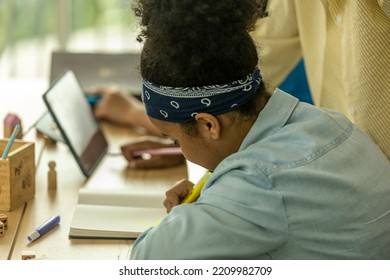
(17, 174)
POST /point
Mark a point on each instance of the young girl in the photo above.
(290, 181)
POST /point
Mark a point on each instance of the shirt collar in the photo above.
(272, 118)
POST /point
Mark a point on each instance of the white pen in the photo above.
(148, 153)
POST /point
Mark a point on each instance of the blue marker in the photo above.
(44, 228)
(11, 141)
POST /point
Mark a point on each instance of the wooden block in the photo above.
(28, 255)
(4, 220)
(2, 229)
(17, 175)
(52, 176)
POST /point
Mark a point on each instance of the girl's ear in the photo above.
(208, 126)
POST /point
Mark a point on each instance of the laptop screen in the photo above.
(99, 69)
(75, 119)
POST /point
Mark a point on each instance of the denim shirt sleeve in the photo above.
(233, 209)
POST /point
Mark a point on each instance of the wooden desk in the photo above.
(111, 172)
(16, 97)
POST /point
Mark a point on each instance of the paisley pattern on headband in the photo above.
(181, 104)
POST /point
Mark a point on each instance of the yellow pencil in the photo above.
(195, 193)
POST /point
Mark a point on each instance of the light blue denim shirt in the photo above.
(305, 184)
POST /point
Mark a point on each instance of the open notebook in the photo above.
(113, 206)
(113, 214)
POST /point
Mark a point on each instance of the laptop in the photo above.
(75, 121)
(98, 69)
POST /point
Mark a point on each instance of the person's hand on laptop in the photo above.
(122, 108)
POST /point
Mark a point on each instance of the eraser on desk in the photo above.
(10, 121)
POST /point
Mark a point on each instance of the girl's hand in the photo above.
(177, 193)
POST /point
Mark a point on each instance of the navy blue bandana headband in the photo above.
(181, 104)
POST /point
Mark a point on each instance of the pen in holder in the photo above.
(17, 174)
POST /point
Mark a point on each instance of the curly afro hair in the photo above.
(197, 42)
